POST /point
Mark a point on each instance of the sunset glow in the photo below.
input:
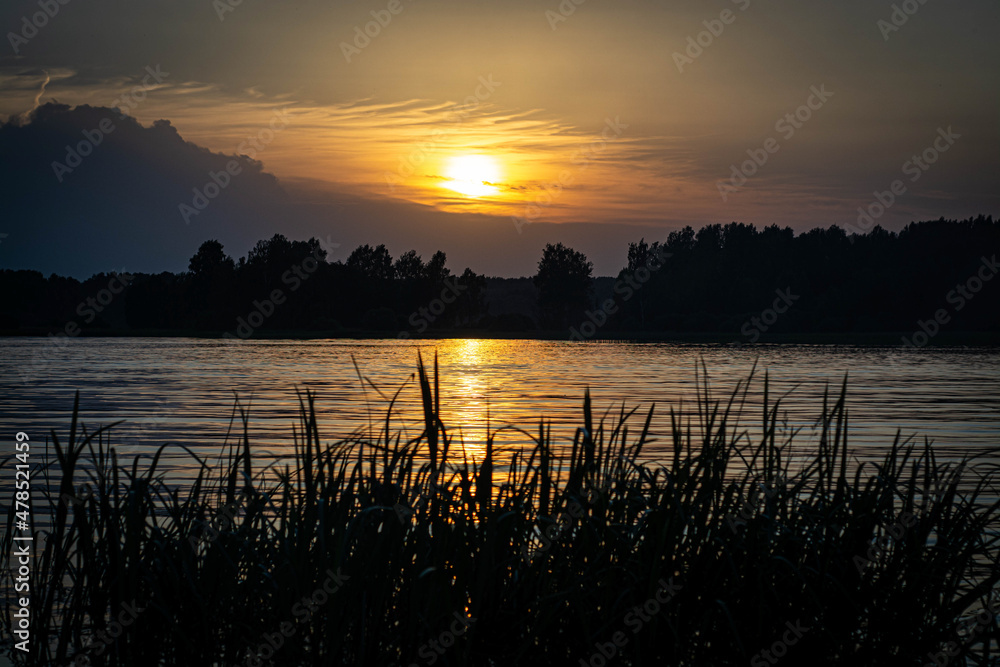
(628, 119)
(473, 175)
(466, 272)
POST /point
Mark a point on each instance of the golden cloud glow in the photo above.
(451, 156)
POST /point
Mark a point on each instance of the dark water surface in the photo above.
(183, 390)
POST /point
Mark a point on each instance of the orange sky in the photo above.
(609, 114)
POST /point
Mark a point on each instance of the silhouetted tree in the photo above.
(409, 266)
(436, 271)
(681, 240)
(212, 286)
(642, 258)
(210, 260)
(715, 280)
(708, 239)
(639, 254)
(278, 253)
(471, 304)
(278, 262)
(372, 263)
(564, 284)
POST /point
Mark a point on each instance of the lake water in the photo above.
(183, 390)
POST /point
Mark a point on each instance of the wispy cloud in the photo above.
(380, 148)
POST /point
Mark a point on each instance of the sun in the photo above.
(472, 175)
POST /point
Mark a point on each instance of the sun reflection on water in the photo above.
(470, 406)
(181, 391)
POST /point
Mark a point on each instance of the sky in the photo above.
(487, 129)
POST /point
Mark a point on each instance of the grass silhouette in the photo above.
(375, 550)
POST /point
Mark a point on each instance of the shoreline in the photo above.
(870, 339)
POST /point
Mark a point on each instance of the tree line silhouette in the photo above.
(715, 280)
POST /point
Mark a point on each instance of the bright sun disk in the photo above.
(472, 175)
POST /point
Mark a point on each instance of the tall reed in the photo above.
(533, 556)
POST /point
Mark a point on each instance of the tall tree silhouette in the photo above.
(409, 266)
(938, 276)
(564, 284)
(210, 260)
(213, 275)
(436, 270)
(372, 263)
(641, 257)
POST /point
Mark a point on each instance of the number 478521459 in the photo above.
(22, 481)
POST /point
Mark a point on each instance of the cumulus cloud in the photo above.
(90, 188)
